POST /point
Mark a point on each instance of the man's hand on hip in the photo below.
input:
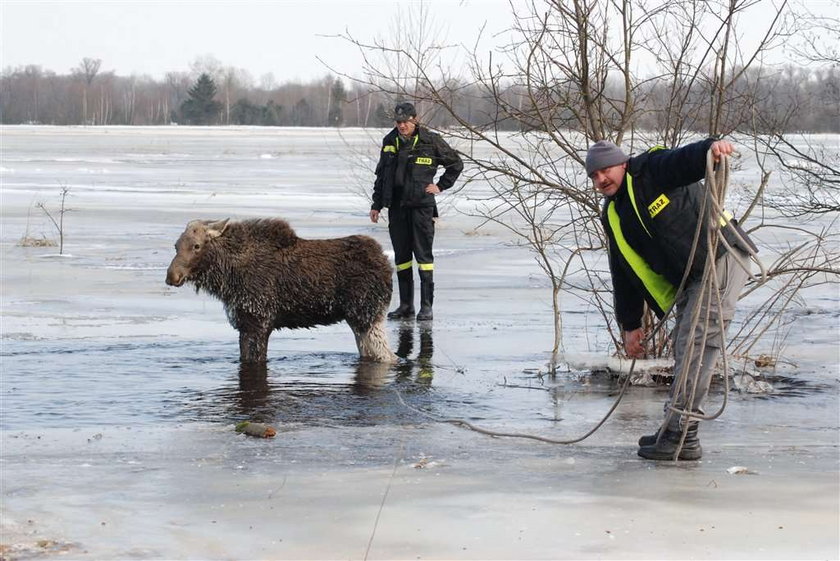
(432, 189)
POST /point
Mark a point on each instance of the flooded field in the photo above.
(120, 394)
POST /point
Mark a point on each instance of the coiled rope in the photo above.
(716, 183)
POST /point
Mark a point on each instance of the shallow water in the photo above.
(119, 394)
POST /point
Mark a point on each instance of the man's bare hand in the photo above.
(722, 148)
(374, 216)
(432, 189)
(633, 343)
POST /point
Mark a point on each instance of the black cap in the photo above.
(404, 111)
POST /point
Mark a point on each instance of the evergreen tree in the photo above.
(244, 112)
(271, 114)
(201, 108)
(381, 117)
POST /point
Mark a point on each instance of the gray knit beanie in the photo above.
(603, 154)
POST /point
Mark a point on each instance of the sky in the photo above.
(289, 39)
(281, 37)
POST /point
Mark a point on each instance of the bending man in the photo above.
(652, 205)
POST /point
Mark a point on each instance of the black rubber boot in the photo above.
(427, 295)
(649, 439)
(405, 310)
(668, 443)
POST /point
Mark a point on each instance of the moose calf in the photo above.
(268, 278)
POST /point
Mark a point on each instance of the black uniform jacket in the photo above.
(661, 228)
(423, 153)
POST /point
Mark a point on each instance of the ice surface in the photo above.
(120, 394)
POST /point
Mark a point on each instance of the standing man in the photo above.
(405, 183)
(652, 206)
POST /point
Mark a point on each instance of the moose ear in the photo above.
(216, 228)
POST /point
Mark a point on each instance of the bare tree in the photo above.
(571, 76)
(810, 171)
(818, 43)
(207, 64)
(87, 71)
(32, 78)
(59, 223)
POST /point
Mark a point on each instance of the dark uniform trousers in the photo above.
(412, 232)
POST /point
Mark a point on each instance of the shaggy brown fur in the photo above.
(269, 278)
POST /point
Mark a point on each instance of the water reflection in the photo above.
(332, 389)
(253, 387)
(371, 376)
(420, 369)
(253, 396)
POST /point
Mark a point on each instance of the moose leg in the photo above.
(373, 342)
(253, 345)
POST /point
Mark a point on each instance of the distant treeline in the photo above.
(802, 99)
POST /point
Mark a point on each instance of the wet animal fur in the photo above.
(268, 278)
